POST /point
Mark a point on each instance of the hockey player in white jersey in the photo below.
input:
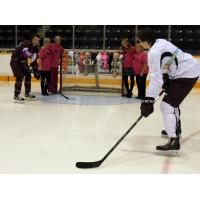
(177, 80)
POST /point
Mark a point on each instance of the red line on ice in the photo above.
(168, 160)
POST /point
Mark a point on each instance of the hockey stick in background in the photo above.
(85, 165)
(63, 95)
(60, 92)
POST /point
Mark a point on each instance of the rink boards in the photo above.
(6, 75)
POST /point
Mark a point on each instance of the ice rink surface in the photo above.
(51, 134)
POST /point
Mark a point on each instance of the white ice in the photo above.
(51, 134)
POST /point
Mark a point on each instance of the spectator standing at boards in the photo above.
(127, 66)
(141, 70)
(44, 66)
(57, 51)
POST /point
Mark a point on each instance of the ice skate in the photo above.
(170, 149)
(29, 97)
(19, 99)
(45, 94)
(129, 94)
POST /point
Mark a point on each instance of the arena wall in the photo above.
(6, 72)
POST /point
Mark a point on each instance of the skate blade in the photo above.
(29, 99)
(19, 102)
(171, 153)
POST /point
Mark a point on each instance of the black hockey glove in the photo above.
(36, 73)
(25, 67)
(147, 106)
(166, 82)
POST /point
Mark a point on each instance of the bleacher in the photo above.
(114, 34)
(187, 38)
(24, 32)
(65, 31)
(88, 37)
(92, 36)
(7, 36)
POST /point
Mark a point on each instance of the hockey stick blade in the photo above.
(68, 98)
(87, 165)
(63, 95)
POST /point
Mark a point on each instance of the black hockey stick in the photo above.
(66, 97)
(85, 165)
(63, 95)
(60, 92)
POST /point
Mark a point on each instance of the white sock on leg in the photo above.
(169, 118)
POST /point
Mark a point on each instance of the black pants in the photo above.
(45, 81)
(20, 74)
(178, 90)
(94, 62)
(128, 72)
(125, 80)
(141, 85)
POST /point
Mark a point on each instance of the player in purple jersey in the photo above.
(19, 64)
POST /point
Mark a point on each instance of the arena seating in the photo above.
(88, 37)
(24, 31)
(114, 34)
(65, 31)
(7, 36)
(187, 38)
(91, 36)
(161, 31)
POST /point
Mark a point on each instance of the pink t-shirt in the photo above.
(140, 59)
(128, 56)
(56, 53)
(104, 58)
(45, 59)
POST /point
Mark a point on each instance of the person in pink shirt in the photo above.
(57, 51)
(44, 66)
(104, 58)
(127, 66)
(141, 70)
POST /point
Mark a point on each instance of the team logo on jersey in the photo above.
(172, 59)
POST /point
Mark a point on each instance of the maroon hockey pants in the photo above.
(20, 75)
(178, 90)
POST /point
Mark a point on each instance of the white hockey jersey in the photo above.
(184, 65)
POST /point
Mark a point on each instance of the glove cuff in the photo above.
(148, 100)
